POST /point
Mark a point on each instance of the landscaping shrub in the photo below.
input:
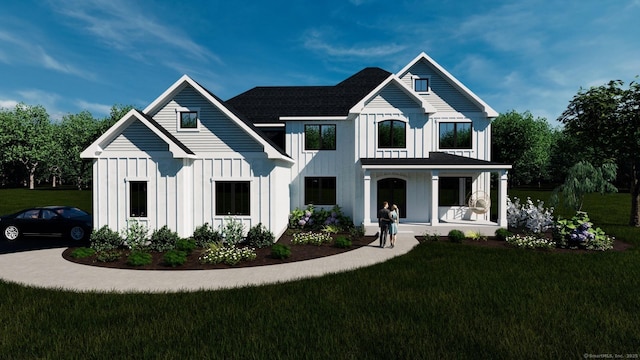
(139, 258)
(163, 239)
(175, 258)
(186, 245)
(311, 238)
(502, 234)
(109, 255)
(82, 252)
(232, 231)
(474, 235)
(259, 237)
(227, 254)
(531, 242)
(533, 218)
(280, 251)
(205, 235)
(456, 236)
(578, 232)
(342, 242)
(136, 235)
(105, 239)
(314, 219)
(356, 232)
(430, 237)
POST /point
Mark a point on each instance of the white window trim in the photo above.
(419, 77)
(127, 190)
(180, 110)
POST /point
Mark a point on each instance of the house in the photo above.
(418, 138)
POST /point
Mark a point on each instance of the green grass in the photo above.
(441, 300)
(12, 200)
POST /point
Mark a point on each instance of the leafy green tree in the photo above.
(525, 142)
(605, 121)
(584, 178)
(77, 131)
(28, 138)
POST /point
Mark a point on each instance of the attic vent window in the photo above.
(188, 119)
(421, 84)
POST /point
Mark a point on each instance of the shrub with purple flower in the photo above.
(316, 218)
(579, 232)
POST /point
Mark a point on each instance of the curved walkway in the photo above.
(47, 269)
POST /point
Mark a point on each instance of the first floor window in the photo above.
(453, 190)
(233, 198)
(455, 135)
(138, 199)
(319, 137)
(320, 190)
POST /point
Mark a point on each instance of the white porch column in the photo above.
(435, 220)
(367, 198)
(502, 199)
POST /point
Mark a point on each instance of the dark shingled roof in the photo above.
(268, 104)
(435, 158)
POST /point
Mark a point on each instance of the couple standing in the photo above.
(388, 223)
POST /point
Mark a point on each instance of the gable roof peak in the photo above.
(488, 110)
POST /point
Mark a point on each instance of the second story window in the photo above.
(319, 137)
(392, 134)
(455, 136)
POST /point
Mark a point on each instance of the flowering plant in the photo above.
(229, 255)
(311, 238)
(579, 232)
(316, 218)
(531, 242)
(533, 218)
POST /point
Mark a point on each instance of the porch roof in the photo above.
(435, 161)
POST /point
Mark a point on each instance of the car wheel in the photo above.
(11, 232)
(77, 233)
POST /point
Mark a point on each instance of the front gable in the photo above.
(144, 135)
(445, 92)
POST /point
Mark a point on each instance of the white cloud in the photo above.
(8, 104)
(314, 41)
(94, 108)
(28, 52)
(123, 26)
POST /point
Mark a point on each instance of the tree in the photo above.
(77, 131)
(583, 178)
(524, 142)
(28, 138)
(605, 120)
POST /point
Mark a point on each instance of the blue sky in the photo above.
(74, 55)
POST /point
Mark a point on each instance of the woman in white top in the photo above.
(393, 228)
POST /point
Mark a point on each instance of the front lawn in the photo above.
(441, 300)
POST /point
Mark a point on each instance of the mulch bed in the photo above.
(298, 253)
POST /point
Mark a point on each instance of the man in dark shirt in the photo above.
(383, 222)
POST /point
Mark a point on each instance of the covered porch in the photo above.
(433, 194)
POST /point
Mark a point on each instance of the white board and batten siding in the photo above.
(181, 192)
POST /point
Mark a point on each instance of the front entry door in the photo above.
(393, 191)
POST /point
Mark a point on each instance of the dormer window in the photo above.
(421, 84)
(188, 119)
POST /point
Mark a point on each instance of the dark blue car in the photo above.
(58, 221)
